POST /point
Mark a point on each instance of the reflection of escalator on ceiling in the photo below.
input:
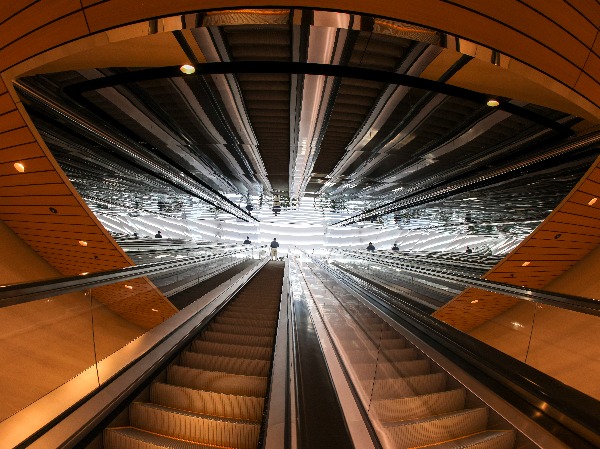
(214, 393)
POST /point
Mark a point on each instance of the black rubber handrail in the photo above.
(31, 291)
(567, 412)
(574, 303)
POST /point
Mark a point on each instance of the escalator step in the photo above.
(392, 370)
(436, 429)
(227, 328)
(237, 339)
(132, 438)
(227, 350)
(217, 381)
(245, 322)
(408, 386)
(393, 343)
(194, 427)
(391, 410)
(246, 367)
(399, 355)
(490, 439)
(207, 402)
(390, 355)
(270, 316)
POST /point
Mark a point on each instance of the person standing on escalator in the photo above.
(274, 246)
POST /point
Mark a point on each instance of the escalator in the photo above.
(213, 394)
(211, 387)
(410, 400)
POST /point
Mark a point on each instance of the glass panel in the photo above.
(43, 344)
(122, 312)
(498, 320)
(564, 345)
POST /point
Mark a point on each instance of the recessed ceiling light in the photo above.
(155, 310)
(493, 103)
(82, 242)
(475, 301)
(19, 167)
(525, 264)
(187, 69)
(128, 287)
(592, 201)
(84, 273)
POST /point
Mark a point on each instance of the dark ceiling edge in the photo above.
(219, 68)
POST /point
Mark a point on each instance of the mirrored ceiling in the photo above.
(307, 110)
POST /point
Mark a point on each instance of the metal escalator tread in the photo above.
(132, 438)
(489, 439)
(244, 322)
(437, 428)
(232, 350)
(237, 339)
(393, 410)
(205, 429)
(226, 328)
(233, 365)
(229, 350)
(214, 395)
(408, 386)
(207, 402)
(217, 381)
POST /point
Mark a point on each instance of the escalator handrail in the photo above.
(564, 404)
(571, 302)
(31, 291)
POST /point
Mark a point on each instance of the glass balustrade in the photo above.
(83, 338)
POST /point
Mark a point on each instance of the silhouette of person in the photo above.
(274, 246)
(158, 235)
(370, 247)
(247, 241)
(469, 250)
(395, 247)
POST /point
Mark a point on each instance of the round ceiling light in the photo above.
(493, 103)
(19, 167)
(187, 69)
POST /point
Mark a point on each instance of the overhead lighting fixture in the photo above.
(129, 287)
(19, 167)
(84, 273)
(154, 310)
(187, 69)
(493, 103)
(82, 242)
(592, 201)
(475, 301)
(525, 264)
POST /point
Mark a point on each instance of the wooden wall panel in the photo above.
(37, 15)
(6, 104)
(466, 315)
(569, 234)
(10, 8)
(558, 48)
(529, 22)
(53, 34)
(588, 8)
(567, 17)
(44, 210)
